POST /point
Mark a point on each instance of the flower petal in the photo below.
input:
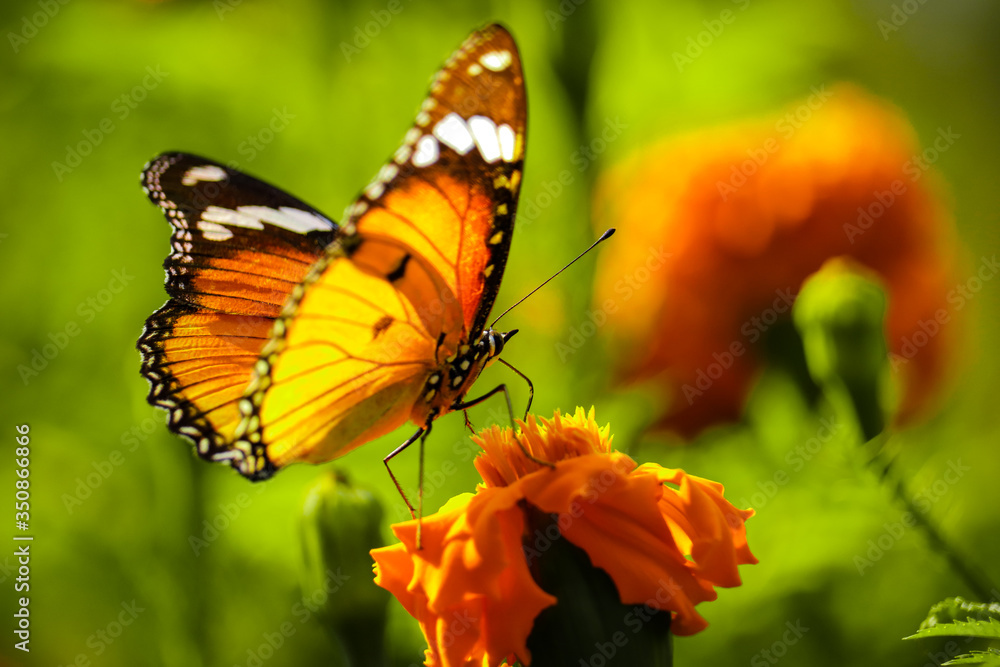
(704, 524)
(615, 518)
(469, 587)
(663, 548)
(504, 459)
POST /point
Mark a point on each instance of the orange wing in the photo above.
(377, 333)
(239, 246)
(351, 363)
(450, 191)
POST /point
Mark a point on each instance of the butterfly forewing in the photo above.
(239, 247)
(235, 237)
(450, 191)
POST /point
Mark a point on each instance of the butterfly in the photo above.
(290, 338)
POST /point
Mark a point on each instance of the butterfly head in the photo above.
(492, 342)
(447, 385)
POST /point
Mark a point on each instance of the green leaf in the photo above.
(958, 608)
(971, 628)
(990, 657)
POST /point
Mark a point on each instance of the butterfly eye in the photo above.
(496, 340)
(496, 343)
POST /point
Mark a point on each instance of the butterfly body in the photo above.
(450, 381)
(289, 337)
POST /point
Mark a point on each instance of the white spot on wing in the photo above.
(254, 217)
(485, 132)
(304, 221)
(213, 231)
(208, 172)
(402, 154)
(453, 132)
(287, 217)
(427, 151)
(507, 141)
(387, 172)
(353, 211)
(496, 60)
(375, 190)
(228, 216)
(475, 69)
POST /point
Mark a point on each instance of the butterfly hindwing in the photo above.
(348, 368)
(415, 271)
(239, 248)
(198, 363)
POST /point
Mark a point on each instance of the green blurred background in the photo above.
(218, 78)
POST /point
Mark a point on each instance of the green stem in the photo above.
(361, 644)
(974, 578)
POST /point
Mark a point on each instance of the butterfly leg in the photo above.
(510, 410)
(476, 401)
(531, 387)
(420, 486)
(468, 422)
(392, 454)
(417, 513)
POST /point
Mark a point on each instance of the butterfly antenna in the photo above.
(604, 237)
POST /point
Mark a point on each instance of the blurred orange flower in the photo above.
(723, 226)
(666, 539)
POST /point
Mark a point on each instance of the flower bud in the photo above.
(840, 314)
(340, 525)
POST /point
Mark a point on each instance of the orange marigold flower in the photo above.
(664, 537)
(723, 227)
